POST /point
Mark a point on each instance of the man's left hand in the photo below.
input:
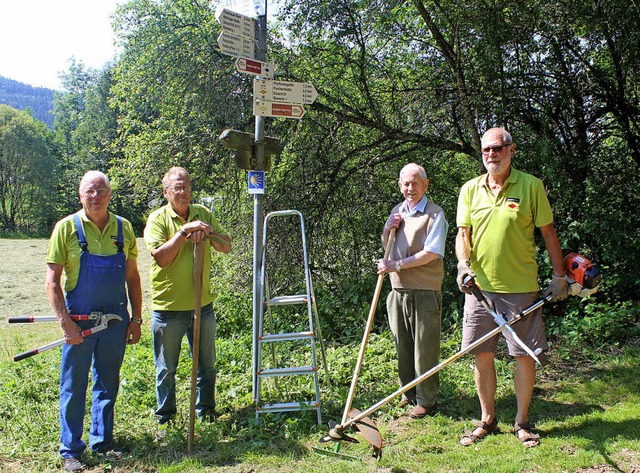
(558, 288)
(133, 333)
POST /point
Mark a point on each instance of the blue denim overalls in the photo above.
(100, 287)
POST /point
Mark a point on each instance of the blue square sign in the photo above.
(256, 182)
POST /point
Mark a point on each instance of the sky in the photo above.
(38, 38)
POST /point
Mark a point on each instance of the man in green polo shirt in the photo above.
(496, 218)
(97, 253)
(170, 234)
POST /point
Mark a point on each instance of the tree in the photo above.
(25, 170)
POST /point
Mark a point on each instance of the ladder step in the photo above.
(280, 337)
(289, 406)
(284, 300)
(294, 370)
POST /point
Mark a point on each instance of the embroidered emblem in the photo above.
(513, 203)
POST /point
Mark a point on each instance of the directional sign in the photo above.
(237, 24)
(257, 68)
(286, 92)
(237, 46)
(264, 108)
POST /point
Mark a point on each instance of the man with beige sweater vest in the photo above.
(416, 271)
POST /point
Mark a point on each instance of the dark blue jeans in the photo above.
(106, 350)
(169, 328)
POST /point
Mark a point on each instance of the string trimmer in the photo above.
(583, 278)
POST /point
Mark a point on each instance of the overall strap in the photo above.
(120, 239)
(82, 241)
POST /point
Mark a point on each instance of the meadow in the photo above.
(586, 405)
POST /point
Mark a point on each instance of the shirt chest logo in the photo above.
(513, 203)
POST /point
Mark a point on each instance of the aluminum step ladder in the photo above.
(301, 340)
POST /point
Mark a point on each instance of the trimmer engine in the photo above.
(582, 275)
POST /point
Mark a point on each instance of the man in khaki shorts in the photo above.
(496, 218)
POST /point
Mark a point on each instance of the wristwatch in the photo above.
(137, 320)
(398, 265)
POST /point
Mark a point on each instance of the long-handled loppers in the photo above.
(102, 322)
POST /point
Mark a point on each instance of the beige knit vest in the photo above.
(410, 238)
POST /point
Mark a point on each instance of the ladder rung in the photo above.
(295, 370)
(280, 337)
(288, 406)
(283, 300)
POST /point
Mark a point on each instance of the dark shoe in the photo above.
(165, 420)
(207, 416)
(72, 464)
(420, 411)
(482, 430)
(110, 455)
(407, 402)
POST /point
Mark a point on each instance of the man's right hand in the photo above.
(464, 271)
(393, 221)
(71, 330)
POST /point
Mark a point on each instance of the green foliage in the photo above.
(25, 171)
(398, 82)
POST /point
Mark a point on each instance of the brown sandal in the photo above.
(484, 428)
(527, 435)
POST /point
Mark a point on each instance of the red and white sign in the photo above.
(263, 108)
(257, 68)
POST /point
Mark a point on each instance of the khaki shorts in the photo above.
(478, 322)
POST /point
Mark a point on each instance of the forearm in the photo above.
(134, 290)
(553, 249)
(57, 301)
(419, 259)
(167, 252)
(220, 242)
(463, 244)
(70, 329)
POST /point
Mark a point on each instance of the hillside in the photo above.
(22, 96)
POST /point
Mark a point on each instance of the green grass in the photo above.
(587, 409)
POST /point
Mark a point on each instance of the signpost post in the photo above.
(246, 39)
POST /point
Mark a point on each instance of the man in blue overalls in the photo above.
(97, 252)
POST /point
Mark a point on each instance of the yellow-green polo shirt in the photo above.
(172, 286)
(65, 250)
(502, 243)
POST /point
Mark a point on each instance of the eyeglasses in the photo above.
(495, 149)
(179, 189)
(101, 192)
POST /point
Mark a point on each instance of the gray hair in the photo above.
(92, 175)
(505, 137)
(175, 171)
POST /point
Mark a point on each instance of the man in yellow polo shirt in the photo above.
(170, 235)
(97, 252)
(496, 218)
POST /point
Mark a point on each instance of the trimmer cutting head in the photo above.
(364, 425)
